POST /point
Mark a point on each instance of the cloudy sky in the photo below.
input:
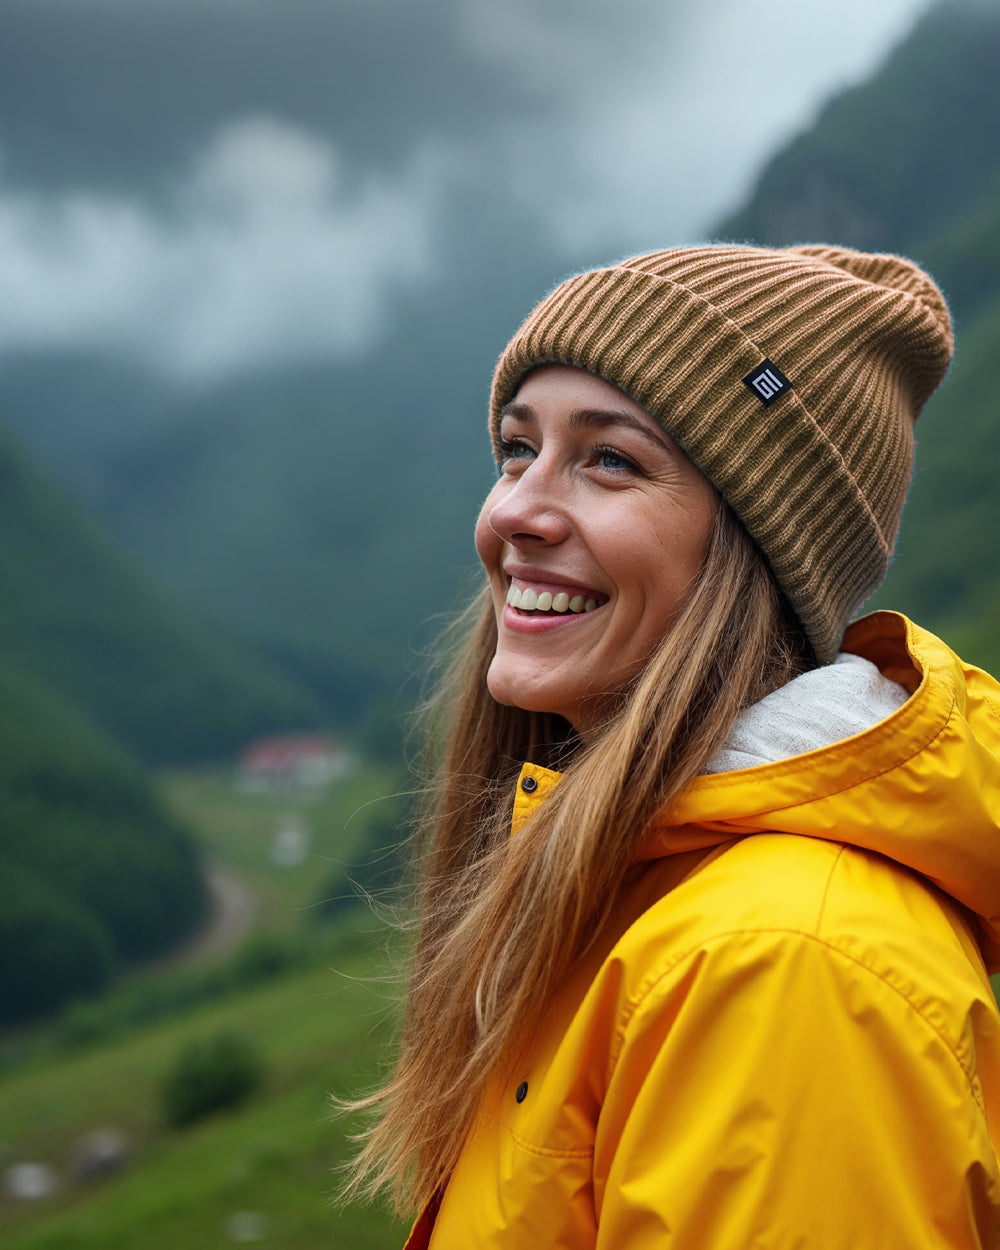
(204, 186)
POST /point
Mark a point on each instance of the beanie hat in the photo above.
(792, 378)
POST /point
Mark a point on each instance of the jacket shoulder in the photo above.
(798, 1057)
(761, 903)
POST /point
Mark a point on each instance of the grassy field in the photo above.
(240, 830)
(262, 1172)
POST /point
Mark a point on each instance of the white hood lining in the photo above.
(815, 710)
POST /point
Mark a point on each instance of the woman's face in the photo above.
(592, 539)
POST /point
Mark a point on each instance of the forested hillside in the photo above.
(910, 162)
(94, 875)
(81, 619)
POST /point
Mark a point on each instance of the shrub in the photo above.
(207, 1075)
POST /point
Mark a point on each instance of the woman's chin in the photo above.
(516, 687)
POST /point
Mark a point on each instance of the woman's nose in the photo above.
(533, 509)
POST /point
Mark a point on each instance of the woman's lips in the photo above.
(539, 622)
(533, 605)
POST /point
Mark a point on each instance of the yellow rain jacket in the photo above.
(786, 1038)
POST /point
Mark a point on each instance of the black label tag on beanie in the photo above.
(767, 382)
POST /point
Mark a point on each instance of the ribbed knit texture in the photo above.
(819, 476)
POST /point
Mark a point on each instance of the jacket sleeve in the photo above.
(770, 1092)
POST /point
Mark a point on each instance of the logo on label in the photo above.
(767, 382)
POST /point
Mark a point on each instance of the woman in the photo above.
(723, 981)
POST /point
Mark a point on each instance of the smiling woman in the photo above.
(582, 465)
(709, 888)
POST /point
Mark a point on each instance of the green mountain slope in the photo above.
(908, 163)
(81, 619)
(93, 873)
(900, 157)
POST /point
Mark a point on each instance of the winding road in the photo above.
(232, 910)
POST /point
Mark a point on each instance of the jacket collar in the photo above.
(921, 787)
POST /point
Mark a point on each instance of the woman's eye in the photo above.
(514, 449)
(517, 451)
(608, 458)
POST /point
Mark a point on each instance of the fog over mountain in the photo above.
(207, 187)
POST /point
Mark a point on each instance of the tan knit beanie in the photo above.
(791, 376)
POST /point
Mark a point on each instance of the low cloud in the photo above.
(264, 253)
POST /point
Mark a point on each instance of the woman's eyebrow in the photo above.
(518, 410)
(604, 418)
(595, 419)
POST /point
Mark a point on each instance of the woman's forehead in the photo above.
(586, 400)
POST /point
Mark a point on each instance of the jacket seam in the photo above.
(636, 1003)
(826, 890)
(548, 1152)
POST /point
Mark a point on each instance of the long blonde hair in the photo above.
(501, 920)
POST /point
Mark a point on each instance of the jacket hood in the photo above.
(921, 787)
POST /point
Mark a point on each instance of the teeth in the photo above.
(528, 600)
